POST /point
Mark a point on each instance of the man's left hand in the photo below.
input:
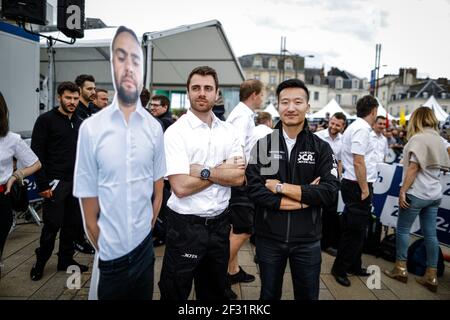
(271, 185)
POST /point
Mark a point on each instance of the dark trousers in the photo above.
(356, 216)
(196, 249)
(331, 227)
(129, 277)
(61, 212)
(304, 260)
(6, 219)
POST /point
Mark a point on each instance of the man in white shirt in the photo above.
(120, 166)
(379, 141)
(204, 160)
(242, 210)
(264, 125)
(356, 187)
(330, 218)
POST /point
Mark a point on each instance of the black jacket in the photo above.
(166, 120)
(82, 112)
(54, 141)
(310, 158)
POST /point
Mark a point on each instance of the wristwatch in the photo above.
(205, 173)
(279, 188)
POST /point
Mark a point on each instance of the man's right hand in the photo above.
(364, 194)
(47, 194)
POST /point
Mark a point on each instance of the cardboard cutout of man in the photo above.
(119, 179)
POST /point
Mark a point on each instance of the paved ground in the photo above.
(19, 257)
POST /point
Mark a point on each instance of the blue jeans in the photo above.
(304, 259)
(427, 211)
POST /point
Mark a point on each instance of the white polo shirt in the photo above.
(380, 147)
(190, 141)
(335, 144)
(242, 118)
(356, 140)
(118, 162)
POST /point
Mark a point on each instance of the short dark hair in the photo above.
(248, 87)
(4, 117)
(365, 105)
(122, 29)
(144, 96)
(67, 86)
(163, 99)
(292, 83)
(380, 117)
(101, 90)
(340, 116)
(82, 78)
(204, 71)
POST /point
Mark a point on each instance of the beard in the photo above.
(127, 97)
(66, 109)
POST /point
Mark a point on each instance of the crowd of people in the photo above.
(120, 178)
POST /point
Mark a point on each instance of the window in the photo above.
(273, 63)
(316, 80)
(339, 83)
(444, 95)
(272, 79)
(425, 94)
(355, 84)
(288, 65)
(354, 100)
(257, 62)
(338, 98)
(316, 96)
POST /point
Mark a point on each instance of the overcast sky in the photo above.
(341, 33)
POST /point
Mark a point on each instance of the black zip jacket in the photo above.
(54, 141)
(82, 112)
(310, 158)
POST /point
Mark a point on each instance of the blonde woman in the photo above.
(421, 193)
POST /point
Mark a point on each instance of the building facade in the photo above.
(271, 69)
(407, 92)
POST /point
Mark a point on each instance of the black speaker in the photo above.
(32, 11)
(71, 18)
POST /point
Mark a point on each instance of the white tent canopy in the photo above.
(382, 111)
(273, 112)
(332, 107)
(169, 56)
(432, 103)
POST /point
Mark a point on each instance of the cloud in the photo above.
(325, 4)
(271, 23)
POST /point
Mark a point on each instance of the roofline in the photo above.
(148, 37)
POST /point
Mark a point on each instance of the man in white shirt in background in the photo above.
(120, 166)
(204, 160)
(379, 141)
(242, 210)
(330, 218)
(264, 126)
(357, 190)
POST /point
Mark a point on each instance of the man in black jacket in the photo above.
(292, 173)
(86, 106)
(54, 141)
